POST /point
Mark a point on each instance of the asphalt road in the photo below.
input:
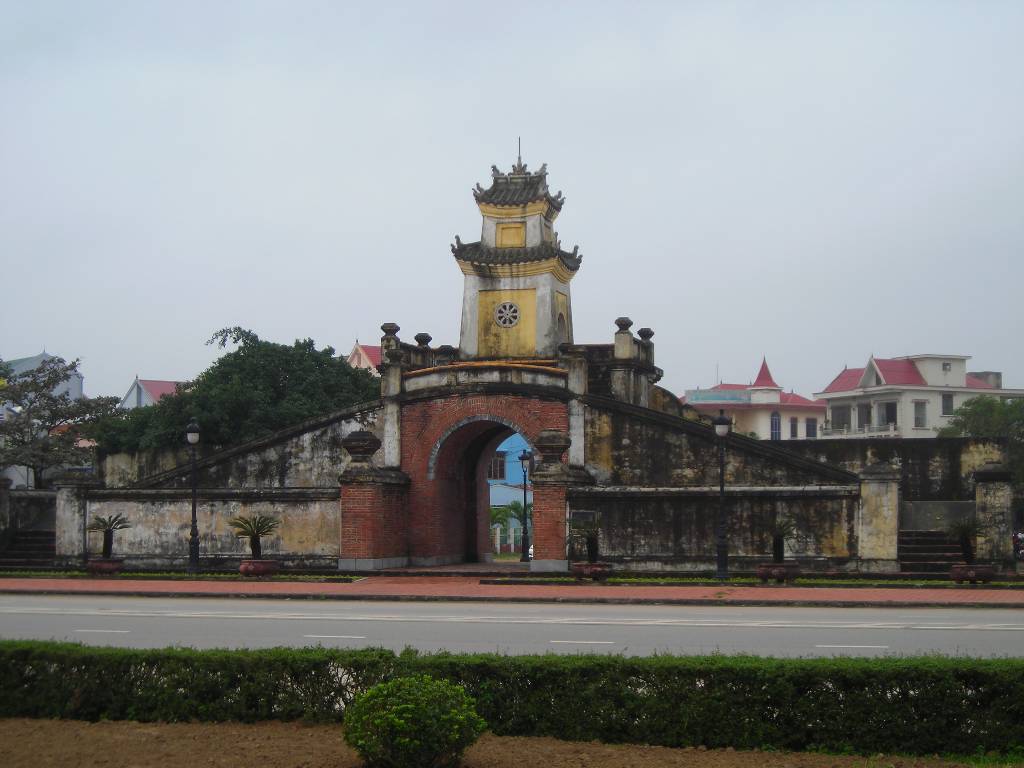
(632, 630)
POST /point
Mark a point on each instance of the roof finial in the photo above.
(519, 169)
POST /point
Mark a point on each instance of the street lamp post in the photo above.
(722, 425)
(192, 434)
(524, 459)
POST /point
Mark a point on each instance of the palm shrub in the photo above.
(107, 526)
(254, 527)
(966, 532)
(413, 722)
(782, 527)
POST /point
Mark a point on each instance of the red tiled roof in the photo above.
(793, 399)
(900, 372)
(849, 378)
(764, 376)
(156, 388)
(371, 352)
(975, 383)
(731, 386)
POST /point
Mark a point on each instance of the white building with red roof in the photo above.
(911, 396)
(145, 392)
(365, 356)
(761, 409)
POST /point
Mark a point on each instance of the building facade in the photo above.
(761, 409)
(911, 396)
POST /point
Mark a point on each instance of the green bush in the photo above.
(412, 722)
(921, 705)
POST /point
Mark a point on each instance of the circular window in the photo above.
(506, 314)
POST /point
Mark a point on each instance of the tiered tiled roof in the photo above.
(900, 372)
(519, 187)
(478, 253)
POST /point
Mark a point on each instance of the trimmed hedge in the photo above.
(919, 705)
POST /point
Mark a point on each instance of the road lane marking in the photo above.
(105, 631)
(336, 637)
(851, 646)
(584, 642)
(674, 623)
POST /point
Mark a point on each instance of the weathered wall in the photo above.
(937, 469)
(308, 455)
(632, 446)
(674, 529)
(161, 519)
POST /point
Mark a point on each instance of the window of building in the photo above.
(840, 417)
(947, 367)
(887, 414)
(497, 469)
(947, 405)
(794, 427)
(812, 428)
(920, 414)
(864, 415)
(776, 426)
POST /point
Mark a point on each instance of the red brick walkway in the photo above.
(470, 588)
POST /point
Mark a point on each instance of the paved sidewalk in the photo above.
(469, 588)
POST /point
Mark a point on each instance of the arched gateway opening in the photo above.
(456, 516)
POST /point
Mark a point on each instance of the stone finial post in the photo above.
(993, 497)
(624, 339)
(423, 339)
(878, 517)
(390, 389)
(646, 345)
(373, 509)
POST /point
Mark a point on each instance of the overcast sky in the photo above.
(814, 182)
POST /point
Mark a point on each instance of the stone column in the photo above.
(878, 518)
(551, 482)
(374, 516)
(72, 518)
(993, 498)
(624, 352)
(390, 389)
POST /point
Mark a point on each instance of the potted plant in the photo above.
(782, 527)
(589, 531)
(966, 532)
(253, 528)
(106, 564)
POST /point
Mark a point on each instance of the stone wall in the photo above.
(938, 469)
(674, 529)
(308, 455)
(161, 521)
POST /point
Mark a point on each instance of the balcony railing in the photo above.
(876, 430)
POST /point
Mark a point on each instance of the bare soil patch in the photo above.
(78, 744)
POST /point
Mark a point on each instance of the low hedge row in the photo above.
(918, 705)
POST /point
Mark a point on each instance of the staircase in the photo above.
(926, 552)
(28, 549)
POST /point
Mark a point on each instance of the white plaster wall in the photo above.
(931, 370)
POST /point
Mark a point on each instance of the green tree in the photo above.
(249, 392)
(992, 417)
(43, 426)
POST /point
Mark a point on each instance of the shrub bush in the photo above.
(412, 722)
(919, 705)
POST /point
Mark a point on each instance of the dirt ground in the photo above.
(77, 744)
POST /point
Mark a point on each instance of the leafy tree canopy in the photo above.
(992, 417)
(254, 390)
(43, 426)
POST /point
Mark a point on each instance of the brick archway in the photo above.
(447, 443)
